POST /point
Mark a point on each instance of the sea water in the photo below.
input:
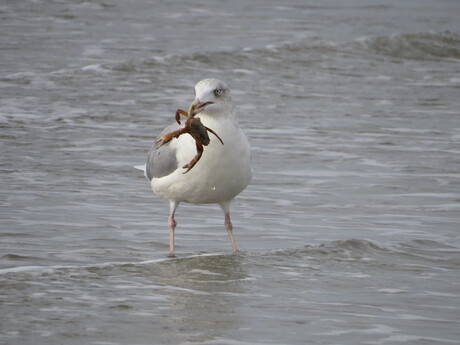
(349, 231)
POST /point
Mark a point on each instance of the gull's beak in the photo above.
(197, 106)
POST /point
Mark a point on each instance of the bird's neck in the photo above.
(228, 115)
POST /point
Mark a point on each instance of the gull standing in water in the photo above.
(223, 171)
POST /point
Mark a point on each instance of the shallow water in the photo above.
(348, 232)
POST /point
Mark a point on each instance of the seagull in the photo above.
(224, 169)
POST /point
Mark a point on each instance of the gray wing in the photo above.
(162, 161)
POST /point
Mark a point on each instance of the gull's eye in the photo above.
(218, 92)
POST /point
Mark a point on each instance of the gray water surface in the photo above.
(349, 231)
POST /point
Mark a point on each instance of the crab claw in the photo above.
(197, 107)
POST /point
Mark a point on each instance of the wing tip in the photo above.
(142, 168)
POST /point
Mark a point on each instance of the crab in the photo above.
(195, 128)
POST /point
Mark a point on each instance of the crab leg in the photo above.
(168, 136)
(191, 164)
(210, 130)
(180, 112)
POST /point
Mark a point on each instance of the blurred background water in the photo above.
(349, 231)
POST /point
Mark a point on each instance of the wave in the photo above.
(403, 255)
(417, 46)
(351, 248)
(362, 251)
(238, 57)
(250, 60)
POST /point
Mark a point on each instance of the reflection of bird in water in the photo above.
(223, 171)
(200, 296)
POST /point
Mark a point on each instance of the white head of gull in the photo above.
(223, 171)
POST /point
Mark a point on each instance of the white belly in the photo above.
(222, 172)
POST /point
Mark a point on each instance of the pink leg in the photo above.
(172, 226)
(228, 224)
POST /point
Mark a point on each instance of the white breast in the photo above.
(222, 172)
